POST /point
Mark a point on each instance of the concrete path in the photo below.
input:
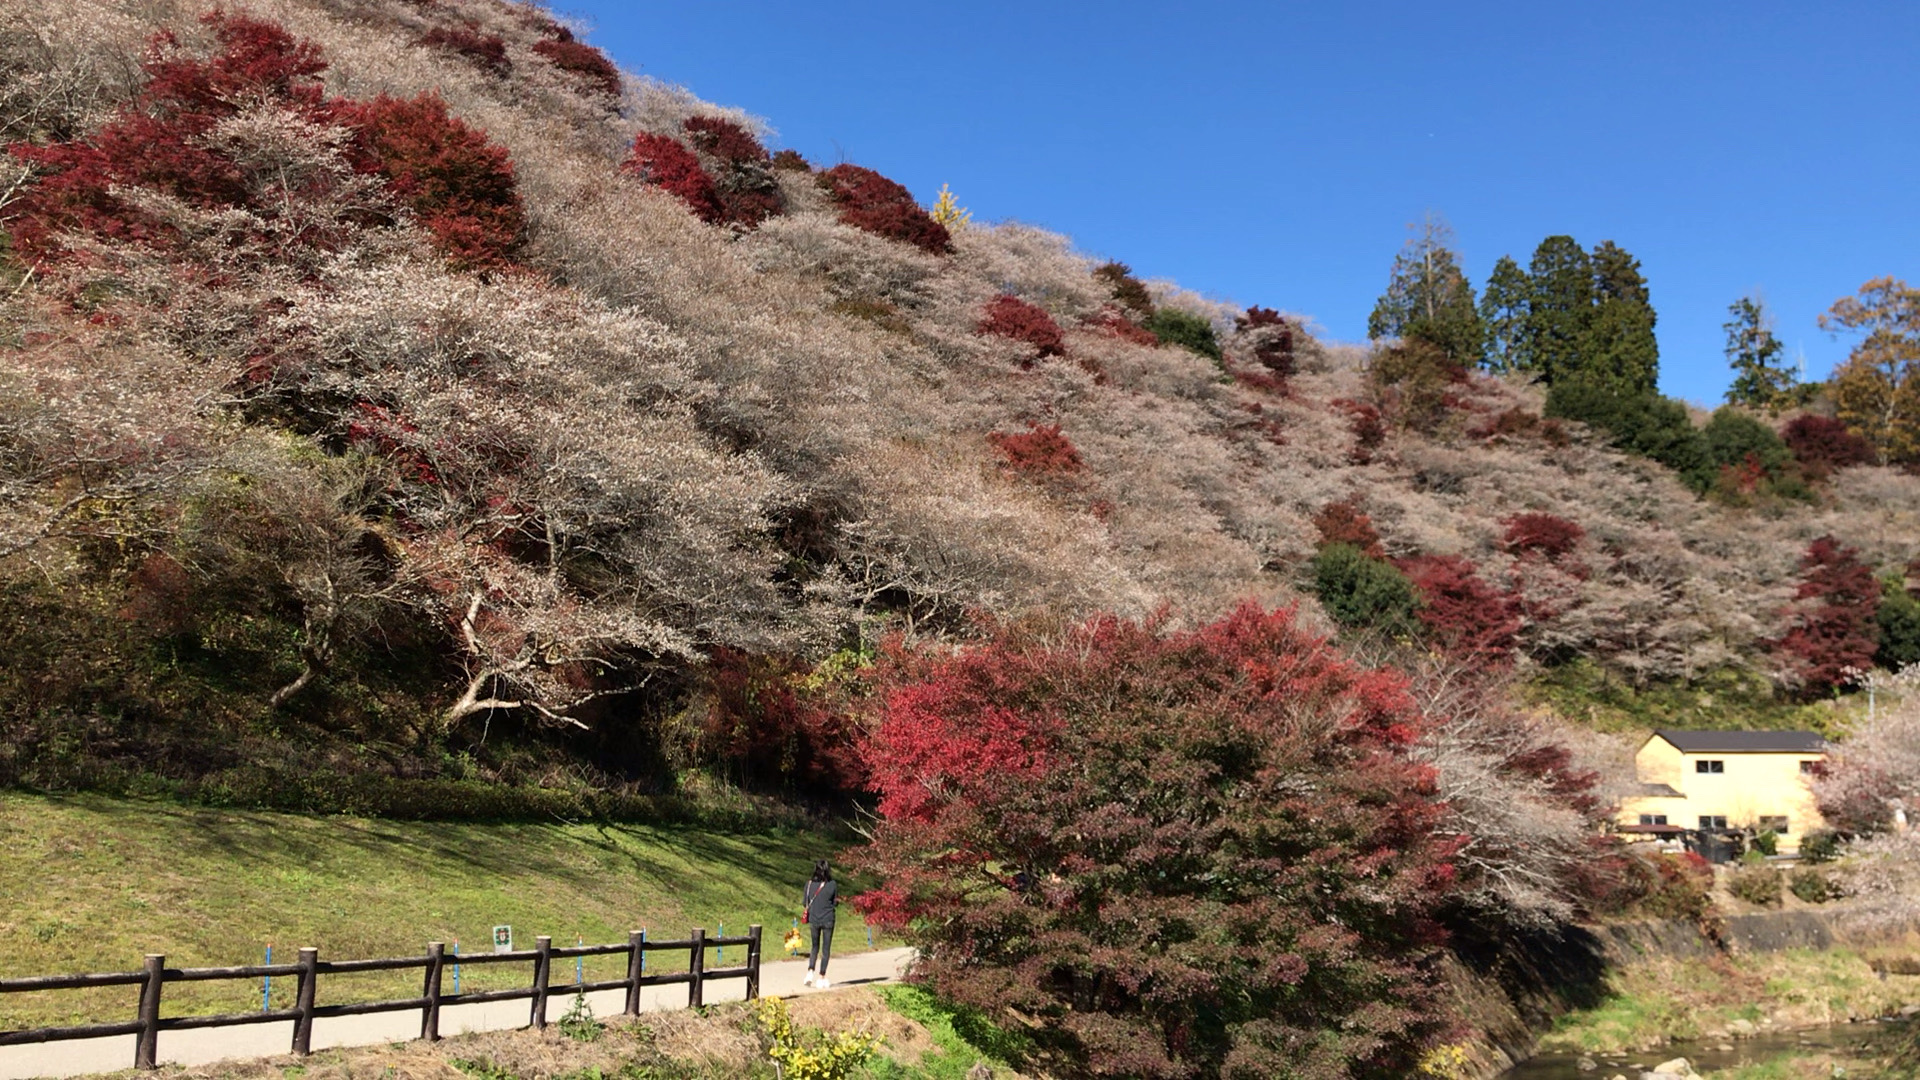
(203, 1046)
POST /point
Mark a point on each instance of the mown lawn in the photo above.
(91, 884)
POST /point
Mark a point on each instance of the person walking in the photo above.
(816, 901)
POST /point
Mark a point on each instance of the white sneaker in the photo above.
(808, 981)
(822, 983)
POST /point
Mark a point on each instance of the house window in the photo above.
(1653, 819)
(1806, 768)
(1775, 824)
(1713, 821)
(1713, 765)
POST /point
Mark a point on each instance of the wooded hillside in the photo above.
(396, 387)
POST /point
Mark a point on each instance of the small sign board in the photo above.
(503, 939)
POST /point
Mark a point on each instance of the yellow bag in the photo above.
(795, 942)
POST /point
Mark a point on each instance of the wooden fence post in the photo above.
(309, 975)
(699, 967)
(430, 1015)
(636, 950)
(146, 1046)
(542, 969)
(753, 962)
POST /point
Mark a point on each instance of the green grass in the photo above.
(963, 1036)
(1727, 698)
(89, 883)
(1665, 999)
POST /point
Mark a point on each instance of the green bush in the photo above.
(1766, 842)
(1810, 885)
(1757, 885)
(1820, 846)
(1359, 592)
(1646, 424)
(1185, 329)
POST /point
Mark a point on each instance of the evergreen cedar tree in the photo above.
(1834, 629)
(876, 204)
(1429, 299)
(1181, 854)
(459, 186)
(1759, 380)
(1014, 318)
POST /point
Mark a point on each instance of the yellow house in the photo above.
(1727, 780)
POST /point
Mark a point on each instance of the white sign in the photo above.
(503, 939)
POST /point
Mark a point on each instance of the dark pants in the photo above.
(822, 949)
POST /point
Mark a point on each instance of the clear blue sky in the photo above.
(1274, 154)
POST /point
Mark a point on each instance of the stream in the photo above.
(1705, 1056)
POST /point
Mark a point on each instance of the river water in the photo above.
(1705, 1056)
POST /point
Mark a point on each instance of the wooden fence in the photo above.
(148, 1023)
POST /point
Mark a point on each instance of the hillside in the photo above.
(365, 435)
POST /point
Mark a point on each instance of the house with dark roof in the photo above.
(1716, 781)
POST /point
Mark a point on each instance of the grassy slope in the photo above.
(90, 884)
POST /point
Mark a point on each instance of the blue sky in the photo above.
(1275, 154)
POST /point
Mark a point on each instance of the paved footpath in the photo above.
(205, 1045)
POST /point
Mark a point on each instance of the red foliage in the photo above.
(1823, 444)
(1834, 627)
(583, 60)
(487, 50)
(1343, 523)
(791, 161)
(1369, 430)
(1274, 351)
(665, 163)
(159, 142)
(1040, 452)
(459, 186)
(1541, 534)
(762, 723)
(1466, 616)
(1165, 849)
(872, 202)
(725, 140)
(1012, 317)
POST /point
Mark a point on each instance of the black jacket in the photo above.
(818, 898)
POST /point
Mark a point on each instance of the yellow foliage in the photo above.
(1877, 391)
(820, 1056)
(1447, 1062)
(947, 211)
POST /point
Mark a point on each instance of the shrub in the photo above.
(1369, 431)
(1186, 329)
(1125, 289)
(1540, 534)
(1343, 523)
(1165, 851)
(664, 163)
(1661, 886)
(1824, 444)
(1834, 629)
(1272, 339)
(1040, 452)
(872, 202)
(1110, 319)
(1820, 846)
(1810, 885)
(1899, 622)
(160, 141)
(1012, 317)
(1646, 424)
(579, 58)
(460, 186)
(1414, 378)
(1759, 885)
(768, 724)
(1467, 617)
(791, 161)
(725, 140)
(1360, 592)
(489, 51)
(1766, 842)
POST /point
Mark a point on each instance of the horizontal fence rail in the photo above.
(148, 1023)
